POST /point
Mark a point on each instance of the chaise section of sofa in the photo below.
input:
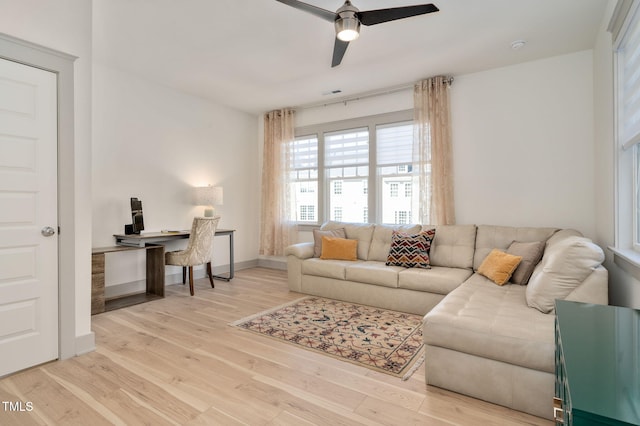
(486, 341)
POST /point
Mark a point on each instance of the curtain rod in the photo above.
(388, 91)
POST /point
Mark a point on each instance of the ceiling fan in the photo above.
(348, 18)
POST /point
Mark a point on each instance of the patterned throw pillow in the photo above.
(411, 251)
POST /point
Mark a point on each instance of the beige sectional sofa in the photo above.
(481, 339)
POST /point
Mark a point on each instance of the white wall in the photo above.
(523, 142)
(65, 25)
(156, 143)
(336, 111)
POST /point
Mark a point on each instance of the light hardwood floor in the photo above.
(176, 361)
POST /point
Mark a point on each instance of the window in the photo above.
(337, 214)
(629, 125)
(307, 187)
(337, 187)
(303, 178)
(307, 213)
(349, 169)
(395, 167)
(393, 190)
(407, 190)
(627, 95)
(346, 159)
(402, 217)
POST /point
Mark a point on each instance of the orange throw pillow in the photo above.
(498, 266)
(339, 248)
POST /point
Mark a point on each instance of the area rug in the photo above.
(383, 340)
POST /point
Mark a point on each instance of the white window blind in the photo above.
(629, 79)
(347, 148)
(395, 143)
(304, 153)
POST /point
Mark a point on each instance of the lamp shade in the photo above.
(208, 196)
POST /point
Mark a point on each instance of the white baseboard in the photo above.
(113, 291)
(273, 263)
(85, 343)
(124, 289)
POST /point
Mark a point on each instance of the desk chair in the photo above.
(199, 249)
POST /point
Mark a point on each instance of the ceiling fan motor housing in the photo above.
(347, 22)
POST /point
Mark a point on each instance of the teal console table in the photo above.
(597, 365)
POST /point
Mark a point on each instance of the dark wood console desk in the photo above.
(155, 278)
(151, 242)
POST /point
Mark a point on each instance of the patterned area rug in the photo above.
(379, 339)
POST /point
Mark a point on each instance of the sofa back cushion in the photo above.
(317, 238)
(452, 245)
(491, 237)
(363, 232)
(381, 240)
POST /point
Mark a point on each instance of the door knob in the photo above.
(48, 231)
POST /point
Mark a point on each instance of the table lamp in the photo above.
(208, 196)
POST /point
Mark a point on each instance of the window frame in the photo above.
(626, 249)
(373, 212)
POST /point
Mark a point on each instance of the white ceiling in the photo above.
(257, 55)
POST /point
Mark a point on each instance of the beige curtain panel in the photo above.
(432, 142)
(277, 229)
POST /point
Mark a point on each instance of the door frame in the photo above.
(62, 65)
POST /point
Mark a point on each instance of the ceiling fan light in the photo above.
(348, 35)
(347, 29)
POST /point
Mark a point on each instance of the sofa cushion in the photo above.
(317, 238)
(326, 268)
(410, 250)
(490, 321)
(381, 240)
(453, 245)
(376, 273)
(438, 279)
(531, 254)
(339, 249)
(564, 266)
(355, 231)
(498, 266)
(489, 237)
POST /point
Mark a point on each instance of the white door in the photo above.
(28, 204)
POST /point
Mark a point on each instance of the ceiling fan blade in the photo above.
(338, 51)
(322, 13)
(372, 17)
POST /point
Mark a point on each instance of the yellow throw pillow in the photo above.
(498, 266)
(339, 248)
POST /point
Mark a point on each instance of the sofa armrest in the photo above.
(300, 250)
(594, 289)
